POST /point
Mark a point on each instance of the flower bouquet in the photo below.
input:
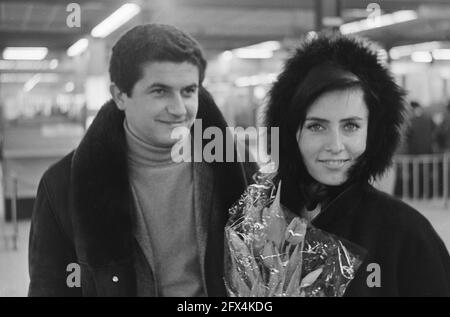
(271, 252)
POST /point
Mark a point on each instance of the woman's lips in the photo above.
(334, 164)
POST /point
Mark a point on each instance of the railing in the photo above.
(11, 236)
(422, 177)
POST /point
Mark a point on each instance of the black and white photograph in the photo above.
(236, 150)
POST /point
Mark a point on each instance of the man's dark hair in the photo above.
(152, 43)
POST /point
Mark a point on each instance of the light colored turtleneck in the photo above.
(165, 221)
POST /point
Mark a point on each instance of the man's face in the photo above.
(166, 97)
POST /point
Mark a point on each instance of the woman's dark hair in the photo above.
(325, 64)
(152, 43)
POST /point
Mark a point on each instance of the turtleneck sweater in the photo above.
(163, 191)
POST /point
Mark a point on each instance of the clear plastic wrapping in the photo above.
(271, 252)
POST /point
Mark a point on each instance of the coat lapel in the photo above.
(102, 207)
(101, 192)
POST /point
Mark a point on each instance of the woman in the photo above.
(340, 116)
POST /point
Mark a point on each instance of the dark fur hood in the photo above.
(354, 55)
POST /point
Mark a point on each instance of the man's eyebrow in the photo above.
(161, 85)
(158, 85)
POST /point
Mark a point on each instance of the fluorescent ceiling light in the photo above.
(421, 57)
(28, 65)
(115, 20)
(53, 63)
(258, 51)
(255, 80)
(382, 20)
(398, 52)
(78, 47)
(268, 45)
(441, 54)
(252, 54)
(21, 78)
(25, 53)
(31, 82)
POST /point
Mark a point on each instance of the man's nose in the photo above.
(176, 106)
(335, 143)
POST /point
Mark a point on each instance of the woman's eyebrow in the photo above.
(354, 118)
(316, 119)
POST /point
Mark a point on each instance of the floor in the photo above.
(14, 263)
(14, 277)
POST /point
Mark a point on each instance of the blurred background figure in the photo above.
(419, 140)
(443, 132)
(420, 135)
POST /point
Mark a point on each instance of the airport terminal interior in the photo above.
(54, 79)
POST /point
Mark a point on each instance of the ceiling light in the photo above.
(78, 47)
(25, 53)
(257, 51)
(53, 63)
(406, 50)
(252, 54)
(382, 20)
(31, 82)
(421, 57)
(115, 20)
(441, 54)
(268, 45)
(255, 80)
(6, 65)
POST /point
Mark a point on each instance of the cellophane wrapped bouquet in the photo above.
(271, 252)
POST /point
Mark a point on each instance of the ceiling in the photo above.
(217, 24)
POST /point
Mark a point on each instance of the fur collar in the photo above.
(102, 201)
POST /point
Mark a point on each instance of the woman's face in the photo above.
(334, 135)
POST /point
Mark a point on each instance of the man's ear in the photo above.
(118, 96)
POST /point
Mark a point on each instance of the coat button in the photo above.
(115, 279)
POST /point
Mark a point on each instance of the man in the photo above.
(442, 134)
(421, 131)
(133, 220)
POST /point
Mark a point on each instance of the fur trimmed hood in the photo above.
(356, 56)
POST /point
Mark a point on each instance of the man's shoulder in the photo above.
(58, 174)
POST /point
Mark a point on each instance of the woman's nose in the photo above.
(334, 142)
(176, 106)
